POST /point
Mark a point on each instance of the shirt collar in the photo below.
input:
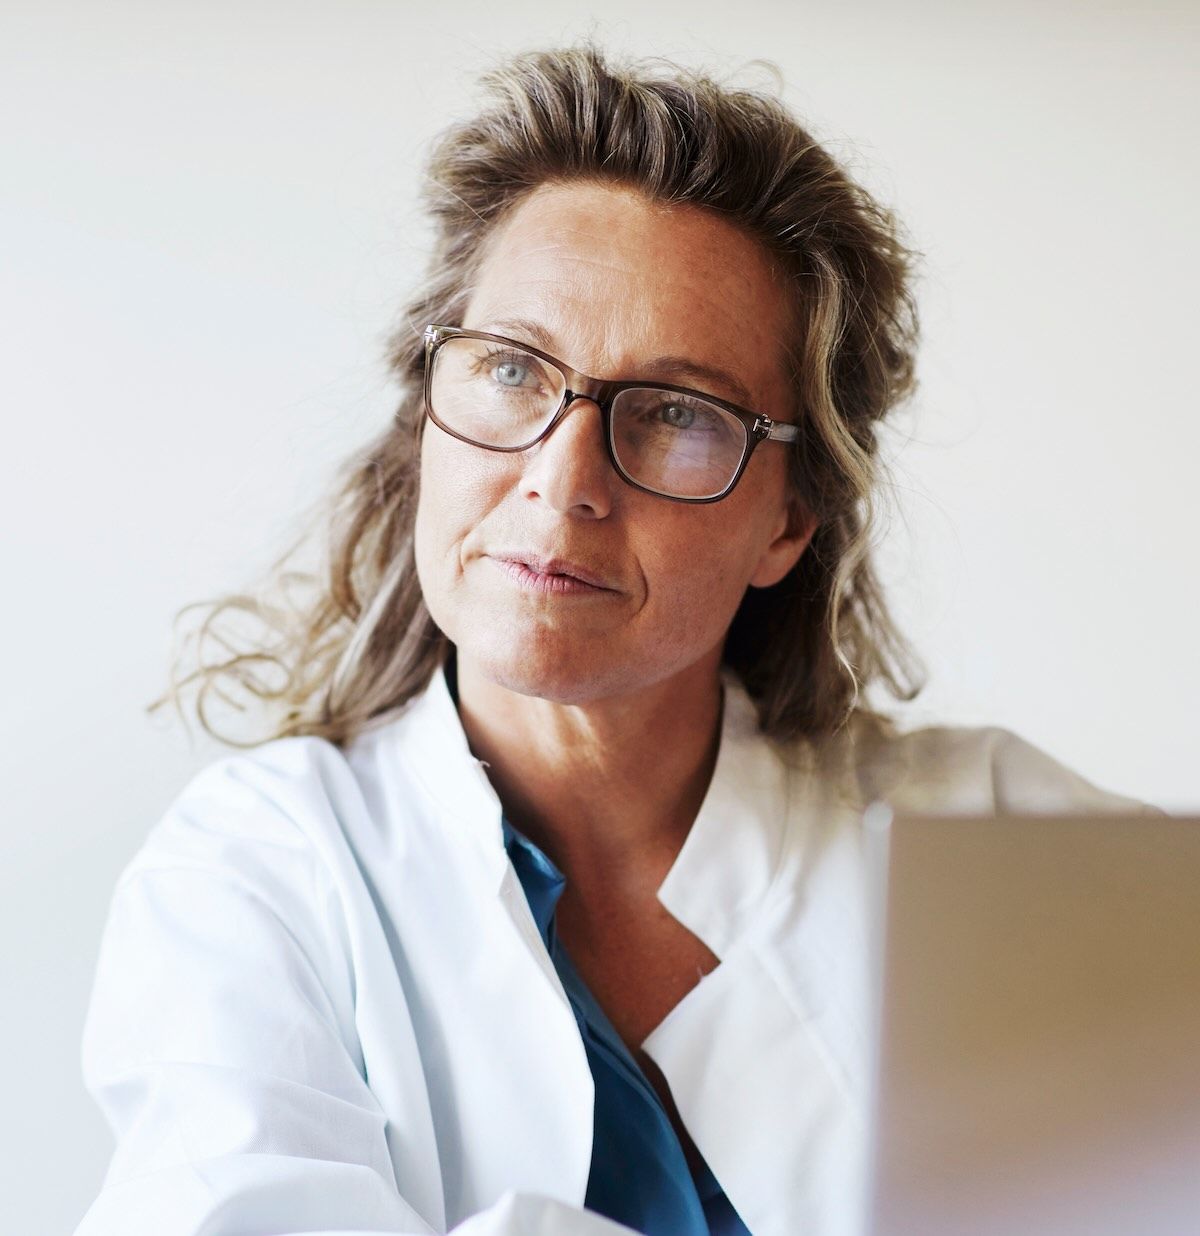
(540, 878)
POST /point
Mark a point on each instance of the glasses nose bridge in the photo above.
(580, 386)
(590, 390)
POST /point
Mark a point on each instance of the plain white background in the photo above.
(209, 224)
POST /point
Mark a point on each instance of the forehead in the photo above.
(615, 280)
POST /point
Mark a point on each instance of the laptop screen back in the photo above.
(1038, 1027)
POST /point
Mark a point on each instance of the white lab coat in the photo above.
(322, 1004)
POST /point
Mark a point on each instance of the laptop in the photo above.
(1037, 1026)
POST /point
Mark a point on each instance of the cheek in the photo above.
(697, 576)
(460, 487)
(425, 528)
(456, 486)
(441, 512)
(703, 561)
(425, 540)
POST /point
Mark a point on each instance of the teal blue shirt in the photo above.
(639, 1174)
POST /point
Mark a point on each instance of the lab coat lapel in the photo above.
(766, 1055)
(521, 1012)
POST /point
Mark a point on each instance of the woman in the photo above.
(545, 901)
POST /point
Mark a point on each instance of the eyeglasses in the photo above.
(504, 395)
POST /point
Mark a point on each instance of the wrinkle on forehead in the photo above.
(616, 278)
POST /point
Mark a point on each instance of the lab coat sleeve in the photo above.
(220, 1046)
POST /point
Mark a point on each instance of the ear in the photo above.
(794, 531)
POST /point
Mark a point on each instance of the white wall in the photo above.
(209, 223)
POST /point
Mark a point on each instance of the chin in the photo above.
(545, 669)
(565, 667)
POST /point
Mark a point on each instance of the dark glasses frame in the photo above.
(578, 385)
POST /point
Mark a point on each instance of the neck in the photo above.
(609, 788)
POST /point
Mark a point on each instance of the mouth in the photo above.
(552, 574)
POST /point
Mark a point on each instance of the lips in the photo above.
(548, 565)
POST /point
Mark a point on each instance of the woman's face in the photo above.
(611, 284)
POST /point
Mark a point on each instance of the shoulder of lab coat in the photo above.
(321, 1004)
(968, 770)
(768, 1057)
(242, 1000)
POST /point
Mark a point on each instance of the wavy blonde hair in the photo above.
(351, 642)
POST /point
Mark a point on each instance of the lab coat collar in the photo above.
(438, 756)
(762, 1055)
(729, 856)
(766, 1055)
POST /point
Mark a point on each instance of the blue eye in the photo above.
(509, 373)
(677, 415)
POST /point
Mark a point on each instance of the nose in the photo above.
(570, 469)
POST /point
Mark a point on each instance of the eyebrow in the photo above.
(680, 367)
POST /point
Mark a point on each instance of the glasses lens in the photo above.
(675, 444)
(492, 393)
